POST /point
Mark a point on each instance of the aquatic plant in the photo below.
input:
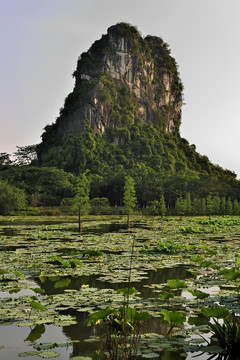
(227, 334)
(123, 328)
(173, 318)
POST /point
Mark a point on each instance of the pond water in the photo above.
(82, 274)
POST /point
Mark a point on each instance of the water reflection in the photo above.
(57, 284)
(80, 331)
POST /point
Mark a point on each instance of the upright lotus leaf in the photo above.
(36, 333)
(99, 316)
(196, 258)
(18, 273)
(74, 262)
(176, 284)
(37, 306)
(173, 317)
(238, 262)
(127, 291)
(61, 261)
(215, 312)
(199, 294)
(165, 295)
(142, 316)
(38, 290)
(206, 263)
(230, 274)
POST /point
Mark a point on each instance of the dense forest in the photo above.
(170, 176)
(161, 164)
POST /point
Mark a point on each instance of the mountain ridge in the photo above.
(121, 80)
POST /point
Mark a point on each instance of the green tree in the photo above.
(162, 206)
(129, 197)
(209, 206)
(203, 206)
(216, 204)
(236, 207)
(223, 206)
(81, 201)
(5, 159)
(11, 198)
(188, 203)
(229, 207)
(181, 206)
(25, 155)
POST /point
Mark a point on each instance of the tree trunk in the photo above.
(79, 221)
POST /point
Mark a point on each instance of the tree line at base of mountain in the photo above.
(162, 166)
(50, 185)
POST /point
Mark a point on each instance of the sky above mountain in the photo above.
(41, 41)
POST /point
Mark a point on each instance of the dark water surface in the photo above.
(14, 338)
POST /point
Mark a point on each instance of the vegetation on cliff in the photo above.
(117, 141)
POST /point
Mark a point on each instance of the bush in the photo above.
(11, 198)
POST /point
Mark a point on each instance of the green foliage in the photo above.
(227, 334)
(122, 329)
(11, 198)
(173, 318)
(230, 274)
(215, 312)
(43, 186)
(127, 291)
(176, 284)
(196, 258)
(198, 294)
(5, 159)
(162, 165)
(81, 198)
(37, 305)
(81, 202)
(129, 196)
(165, 295)
(25, 155)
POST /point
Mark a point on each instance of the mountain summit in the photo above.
(121, 80)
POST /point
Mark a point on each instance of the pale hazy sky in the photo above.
(42, 39)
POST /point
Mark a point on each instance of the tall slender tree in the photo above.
(162, 206)
(129, 197)
(81, 201)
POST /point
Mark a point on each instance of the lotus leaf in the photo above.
(173, 317)
(215, 312)
(199, 294)
(28, 353)
(48, 354)
(176, 284)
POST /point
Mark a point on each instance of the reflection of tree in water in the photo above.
(80, 332)
(159, 276)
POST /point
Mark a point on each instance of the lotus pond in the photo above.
(53, 279)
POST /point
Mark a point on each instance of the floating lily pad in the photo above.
(28, 353)
(48, 354)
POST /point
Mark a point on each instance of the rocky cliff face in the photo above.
(121, 80)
